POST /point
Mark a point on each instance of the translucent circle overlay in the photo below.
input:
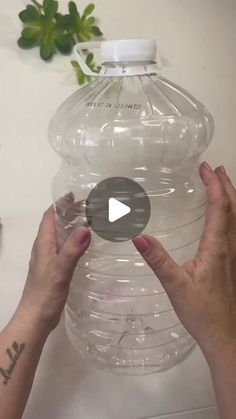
(127, 192)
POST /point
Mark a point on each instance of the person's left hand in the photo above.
(50, 274)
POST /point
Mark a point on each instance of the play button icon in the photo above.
(118, 209)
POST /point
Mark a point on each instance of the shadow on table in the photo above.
(58, 379)
(201, 413)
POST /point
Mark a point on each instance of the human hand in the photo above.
(203, 290)
(50, 274)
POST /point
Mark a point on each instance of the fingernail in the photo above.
(222, 168)
(82, 235)
(141, 244)
(207, 166)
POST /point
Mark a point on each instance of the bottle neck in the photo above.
(128, 68)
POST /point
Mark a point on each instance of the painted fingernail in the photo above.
(207, 166)
(222, 168)
(141, 244)
(82, 235)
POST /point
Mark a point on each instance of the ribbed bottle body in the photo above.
(153, 132)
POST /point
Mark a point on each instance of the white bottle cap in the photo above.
(129, 50)
(142, 52)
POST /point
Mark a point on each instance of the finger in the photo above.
(75, 246)
(217, 217)
(229, 188)
(231, 192)
(162, 264)
(46, 240)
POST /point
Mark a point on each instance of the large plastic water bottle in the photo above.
(134, 123)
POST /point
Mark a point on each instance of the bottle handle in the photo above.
(117, 72)
(77, 53)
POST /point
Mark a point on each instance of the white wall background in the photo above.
(198, 37)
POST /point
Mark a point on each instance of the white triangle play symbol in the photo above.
(117, 210)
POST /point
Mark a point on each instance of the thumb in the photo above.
(162, 264)
(75, 246)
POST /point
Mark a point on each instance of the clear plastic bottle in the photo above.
(130, 122)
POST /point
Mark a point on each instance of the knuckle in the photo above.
(57, 278)
(63, 274)
(67, 260)
(68, 254)
(223, 249)
(218, 249)
(224, 204)
(158, 260)
(55, 275)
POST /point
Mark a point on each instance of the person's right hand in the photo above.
(203, 290)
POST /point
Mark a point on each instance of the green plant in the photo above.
(46, 27)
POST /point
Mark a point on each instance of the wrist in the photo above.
(32, 324)
(221, 357)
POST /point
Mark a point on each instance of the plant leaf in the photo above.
(81, 79)
(96, 31)
(33, 12)
(31, 33)
(30, 14)
(64, 44)
(63, 22)
(26, 43)
(46, 48)
(73, 9)
(47, 4)
(89, 58)
(23, 16)
(50, 8)
(90, 21)
(75, 64)
(89, 9)
(85, 36)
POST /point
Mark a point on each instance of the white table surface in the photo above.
(30, 92)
